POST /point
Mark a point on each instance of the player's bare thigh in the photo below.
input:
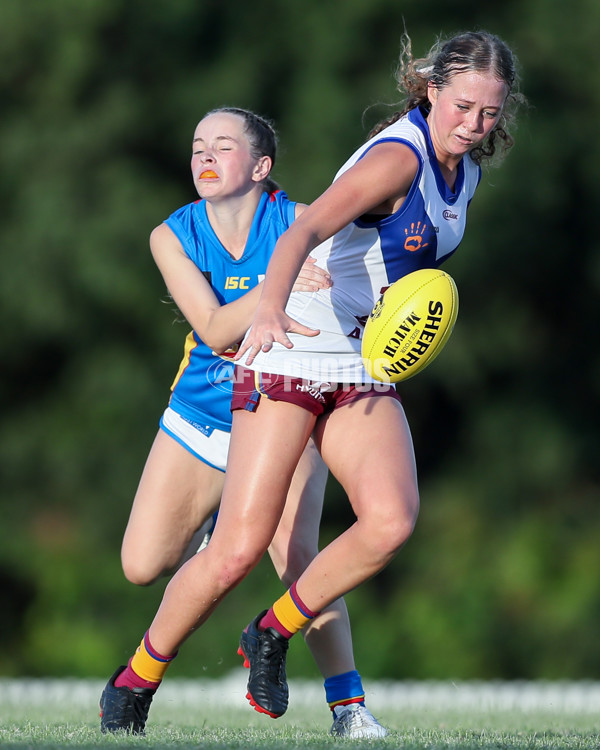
(176, 493)
(368, 447)
(265, 448)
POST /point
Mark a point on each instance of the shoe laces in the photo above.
(354, 716)
(270, 652)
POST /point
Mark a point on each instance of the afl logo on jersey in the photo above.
(220, 374)
(449, 216)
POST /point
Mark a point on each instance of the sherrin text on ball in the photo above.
(409, 325)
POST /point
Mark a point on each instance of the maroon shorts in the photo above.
(317, 397)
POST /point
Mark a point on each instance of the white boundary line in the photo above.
(229, 691)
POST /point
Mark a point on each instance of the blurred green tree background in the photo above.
(99, 102)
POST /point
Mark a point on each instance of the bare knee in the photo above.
(390, 531)
(393, 535)
(143, 571)
(234, 566)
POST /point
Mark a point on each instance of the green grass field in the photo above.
(194, 714)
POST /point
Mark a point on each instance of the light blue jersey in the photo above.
(201, 392)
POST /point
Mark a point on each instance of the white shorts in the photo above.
(203, 441)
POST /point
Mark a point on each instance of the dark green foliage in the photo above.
(99, 101)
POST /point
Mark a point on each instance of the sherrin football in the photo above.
(409, 325)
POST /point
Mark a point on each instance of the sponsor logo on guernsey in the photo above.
(449, 215)
(237, 282)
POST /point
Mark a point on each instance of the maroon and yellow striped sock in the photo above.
(146, 668)
(288, 615)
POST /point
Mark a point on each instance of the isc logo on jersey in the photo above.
(237, 282)
(241, 282)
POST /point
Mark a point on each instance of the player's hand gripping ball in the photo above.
(409, 325)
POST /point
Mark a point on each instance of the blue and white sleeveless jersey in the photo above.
(367, 256)
(201, 392)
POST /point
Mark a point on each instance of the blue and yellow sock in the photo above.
(343, 689)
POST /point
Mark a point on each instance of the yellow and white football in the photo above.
(409, 325)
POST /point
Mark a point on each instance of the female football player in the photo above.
(301, 370)
(210, 253)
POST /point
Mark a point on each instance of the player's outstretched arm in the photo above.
(219, 326)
